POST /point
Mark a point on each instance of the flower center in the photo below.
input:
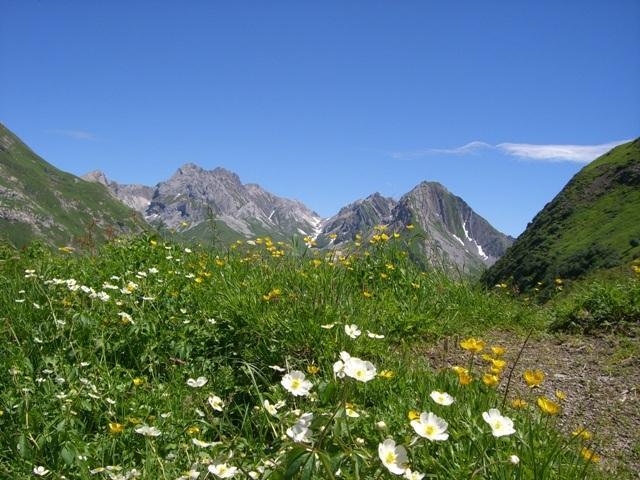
(390, 457)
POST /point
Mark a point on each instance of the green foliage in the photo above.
(599, 305)
(53, 205)
(81, 372)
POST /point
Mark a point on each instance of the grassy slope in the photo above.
(68, 363)
(72, 204)
(593, 223)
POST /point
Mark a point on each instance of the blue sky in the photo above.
(328, 101)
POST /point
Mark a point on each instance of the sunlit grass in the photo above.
(265, 361)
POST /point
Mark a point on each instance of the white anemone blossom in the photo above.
(216, 403)
(352, 330)
(338, 367)
(393, 457)
(148, 431)
(296, 384)
(500, 426)
(431, 427)
(40, 471)
(410, 475)
(361, 370)
(300, 431)
(198, 382)
(442, 398)
(222, 470)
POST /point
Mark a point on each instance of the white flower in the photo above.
(514, 459)
(222, 470)
(328, 326)
(361, 370)
(381, 425)
(296, 384)
(300, 432)
(409, 475)
(40, 471)
(216, 403)
(271, 408)
(431, 427)
(500, 426)
(393, 457)
(338, 367)
(198, 382)
(351, 412)
(148, 431)
(374, 335)
(190, 475)
(200, 443)
(352, 330)
(277, 368)
(442, 398)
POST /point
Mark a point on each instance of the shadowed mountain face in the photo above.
(38, 201)
(593, 223)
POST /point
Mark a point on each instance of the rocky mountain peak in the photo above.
(96, 176)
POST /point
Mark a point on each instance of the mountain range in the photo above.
(37, 199)
(451, 232)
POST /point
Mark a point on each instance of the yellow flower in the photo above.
(396, 235)
(410, 227)
(472, 344)
(333, 236)
(316, 262)
(387, 374)
(498, 351)
(412, 415)
(498, 363)
(533, 377)
(313, 369)
(560, 395)
(590, 455)
(198, 279)
(138, 381)
(518, 403)
(367, 294)
(219, 262)
(134, 420)
(486, 357)
(548, 406)
(490, 380)
(584, 434)
(153, 242)
(459, 370)
(193, 430)
(116, 427)
(464, 378)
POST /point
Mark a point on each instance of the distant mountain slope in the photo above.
(593, 223)
(39, 201)
(193, 198)
(137, 197)
(450, 232)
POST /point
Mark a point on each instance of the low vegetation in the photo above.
(151, 360)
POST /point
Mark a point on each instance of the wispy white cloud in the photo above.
(75, 134)
(534, 152)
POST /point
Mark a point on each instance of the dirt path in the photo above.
(599, 375)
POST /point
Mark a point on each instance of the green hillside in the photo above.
(38, 201)
(592, 224)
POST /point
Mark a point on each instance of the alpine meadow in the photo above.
(319, 240)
